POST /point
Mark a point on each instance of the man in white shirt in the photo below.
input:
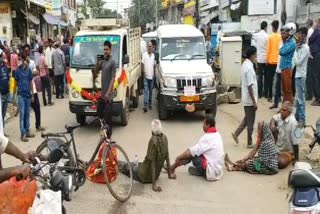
(261, 39)
(48, 53)
(148, 69)
(310, 24)
(207, 155)
(286, 132)
(249, 91)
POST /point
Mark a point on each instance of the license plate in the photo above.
(89, 109)
(189, 99)
(189, 91)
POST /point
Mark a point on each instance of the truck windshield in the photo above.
(182, 48)
(86, 49)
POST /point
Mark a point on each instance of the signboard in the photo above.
(261, 7)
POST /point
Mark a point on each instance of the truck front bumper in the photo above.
(171, 103)
(82, 108)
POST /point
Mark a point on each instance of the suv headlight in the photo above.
(75, 94)
(208, 81)
(170, 82)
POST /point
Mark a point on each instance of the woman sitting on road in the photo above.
(267, 160)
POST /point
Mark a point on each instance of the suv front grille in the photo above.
(181, 83)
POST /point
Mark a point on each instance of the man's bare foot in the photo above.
(172, 170)
(156, 188)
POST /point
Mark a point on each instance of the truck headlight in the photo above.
(170, 82)
(75, 94)
(208, 81)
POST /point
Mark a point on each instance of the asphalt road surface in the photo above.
(235, 193)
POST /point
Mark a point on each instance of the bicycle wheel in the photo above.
(67, 159)
(119, 184)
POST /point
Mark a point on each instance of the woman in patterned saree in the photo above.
(267, 160)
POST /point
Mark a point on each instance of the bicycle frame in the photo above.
(78, 161)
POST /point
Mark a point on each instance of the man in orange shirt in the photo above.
(272, 53)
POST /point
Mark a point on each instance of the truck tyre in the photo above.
(135, 100)
(124, 117)
(81, 119)
(162, 111)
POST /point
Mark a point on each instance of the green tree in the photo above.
(143, 12)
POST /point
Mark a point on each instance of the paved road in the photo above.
(237, 192)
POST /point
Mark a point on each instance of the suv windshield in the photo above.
(86, 49)
(182, 48)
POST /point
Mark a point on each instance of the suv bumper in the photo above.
(207, 102)
(79, 108)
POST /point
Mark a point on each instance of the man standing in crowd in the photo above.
(301, 61)
(66, 50)
(24, 81)
(148, 70)
(261, 44)
(314, 44)
(48, 54)
(249, 96)
(108, 68)
(272, 50)
(208, 48)
(59, 67)
(14, 60)
(4, 88)
(286, 52)
(309, 82)
(42, 67)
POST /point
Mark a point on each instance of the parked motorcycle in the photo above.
(54, 186)
(305, 182)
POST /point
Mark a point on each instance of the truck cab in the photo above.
(85, 89)
(184, 79)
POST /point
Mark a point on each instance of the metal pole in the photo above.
(117, 10)
(26, 4)
(156, 14)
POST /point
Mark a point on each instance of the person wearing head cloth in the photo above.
(150, 169)
(249, 92)
(266, 162)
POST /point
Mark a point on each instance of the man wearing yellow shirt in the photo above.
(272, 53)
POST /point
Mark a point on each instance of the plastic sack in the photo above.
(95, 173)
(47, 202)
(12, 85)
(15, 198)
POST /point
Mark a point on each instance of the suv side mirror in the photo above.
(126, 59)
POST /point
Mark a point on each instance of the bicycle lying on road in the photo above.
(119, 185)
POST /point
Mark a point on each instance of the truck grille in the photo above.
(181, 83)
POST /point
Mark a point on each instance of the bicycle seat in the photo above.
(70, 128)
(302, 178)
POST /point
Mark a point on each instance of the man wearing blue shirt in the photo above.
(286, 52)
(23, 77)
(4, 88)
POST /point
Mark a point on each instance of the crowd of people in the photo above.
(40, 66)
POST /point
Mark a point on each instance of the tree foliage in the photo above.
(98, 10)
(143, 12)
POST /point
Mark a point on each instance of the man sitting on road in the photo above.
(207, 155)
(284, 128)
(158, 152)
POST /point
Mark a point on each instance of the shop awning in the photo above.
(31, 17)
(53, 20)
